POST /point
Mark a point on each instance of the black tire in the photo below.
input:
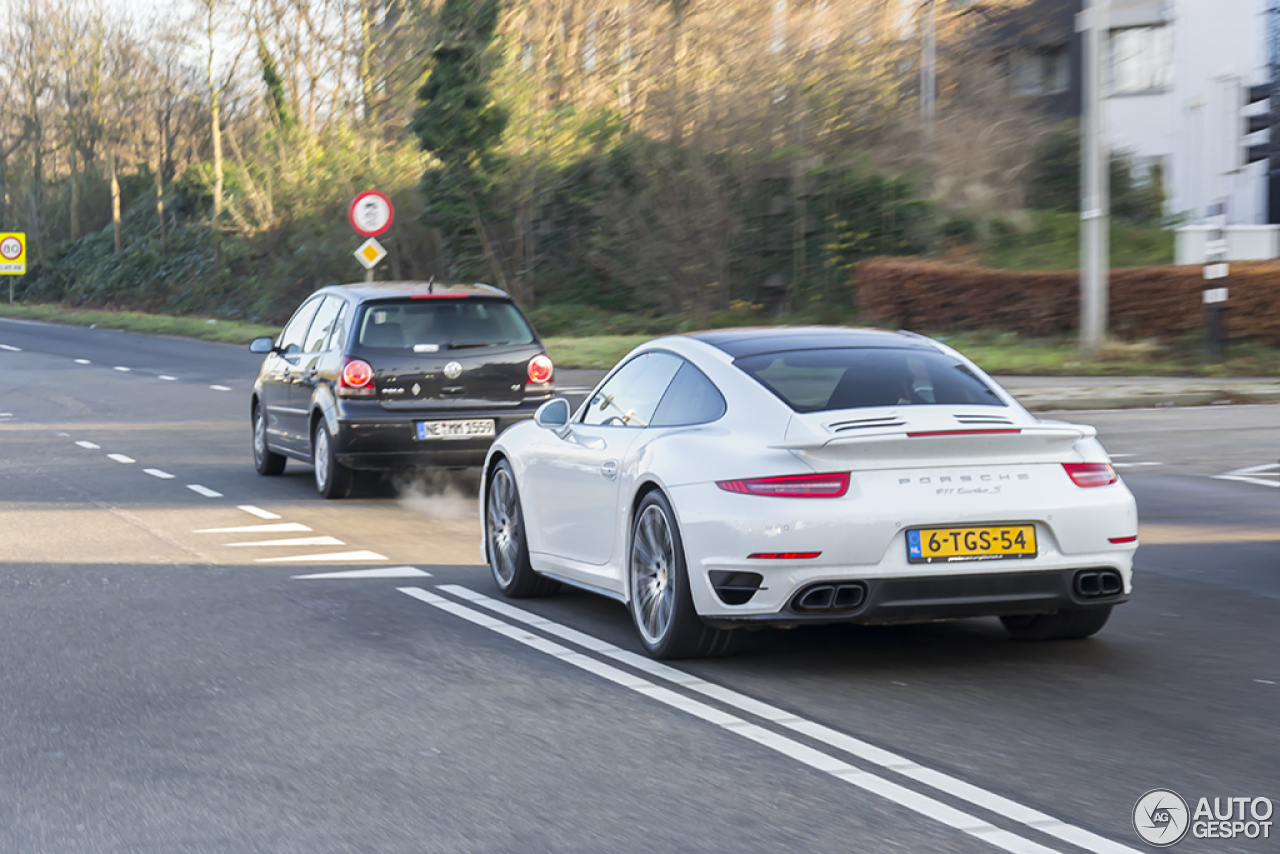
(333, 480)
(1064, 625)
(266, 461)
(505, 542)
(658, 584)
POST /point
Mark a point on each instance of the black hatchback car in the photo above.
(384, 376)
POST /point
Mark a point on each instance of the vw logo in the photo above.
(453, 370)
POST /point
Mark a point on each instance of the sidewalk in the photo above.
(1042, 393)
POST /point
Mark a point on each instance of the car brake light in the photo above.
(540, 369)
(832, 485)
(1116, 541)
(1090, 474)
(356, 379)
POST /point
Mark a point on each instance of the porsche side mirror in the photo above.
(553, 415)
(262, 345)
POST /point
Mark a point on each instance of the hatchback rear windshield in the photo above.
(850, 378)
(431, 325)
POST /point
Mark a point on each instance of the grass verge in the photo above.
(225, 331)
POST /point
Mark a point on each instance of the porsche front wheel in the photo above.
(505, 541)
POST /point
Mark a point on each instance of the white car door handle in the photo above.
(609, 468)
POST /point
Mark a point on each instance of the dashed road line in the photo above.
(1136, 464)
(89, 446)
(220, 387)
(1267, 474)
(834, 738)
(335, 556)
(295, 541)
(10, 348)
(83, 362)
(203, 490)
(121, 458)
(167, 378)
(376, 572)
(282, 527)
(258, 511)
(122, 369)
(163, 475)
(924, 805)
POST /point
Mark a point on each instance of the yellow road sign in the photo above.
(13, 253)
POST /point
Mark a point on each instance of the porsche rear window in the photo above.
(853, 378)
(432, 325)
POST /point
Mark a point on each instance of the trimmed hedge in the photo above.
(1146, 302)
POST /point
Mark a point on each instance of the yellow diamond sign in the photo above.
(13, 253)
(370, 253)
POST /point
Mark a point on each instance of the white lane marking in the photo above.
(121, 458)
(257, 529)
(1115, 456)
(861, 749)
(220, 387)
(360, 555)
(6, 414)
(83, 362)
(1265, 681)
(122, 369)
(167, 378)
(1257, 475)
(816, 759)
(163, 475)
(258, 511)
(10, 348)
(203, 490)
(295, 541)
(376, 572)
(89, 446)
(1135, 464)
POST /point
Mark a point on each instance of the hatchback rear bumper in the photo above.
(372, 438)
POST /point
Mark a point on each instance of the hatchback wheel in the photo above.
(333, 480)
(505, 541)
(265, 460)
(1064, 625)
(661, 604)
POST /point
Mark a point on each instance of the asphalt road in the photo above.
(171, 681)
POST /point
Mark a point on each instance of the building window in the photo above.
(1139, 59)
(1040, 71)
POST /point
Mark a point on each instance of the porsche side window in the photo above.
(295, 331)
(631, 396)
(690, 399)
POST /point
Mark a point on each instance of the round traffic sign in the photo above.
(10, 248)
(371, 213)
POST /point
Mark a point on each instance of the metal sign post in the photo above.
(13, 256)
(371, 213)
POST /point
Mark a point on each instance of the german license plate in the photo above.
(988, 542)
(479, 428)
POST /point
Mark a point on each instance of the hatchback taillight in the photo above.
(356, 379)
(1090, 474)
(831, 485)
(540, 369)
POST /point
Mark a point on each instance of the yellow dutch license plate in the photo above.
(987, 542)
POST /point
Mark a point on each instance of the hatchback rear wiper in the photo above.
(461, 345)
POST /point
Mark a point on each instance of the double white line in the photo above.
(817, 759)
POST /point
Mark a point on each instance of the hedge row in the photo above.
(1146, 302)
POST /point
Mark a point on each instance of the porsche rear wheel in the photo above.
(660, 601)
(1064, 625)
(505, 542)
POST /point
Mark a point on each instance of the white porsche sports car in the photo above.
(781, 476)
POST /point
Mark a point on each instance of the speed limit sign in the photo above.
(13, 253)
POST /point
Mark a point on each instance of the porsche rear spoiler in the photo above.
(1046, 434)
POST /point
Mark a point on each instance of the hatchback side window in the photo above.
(690, 399)
(322, 325)
(631, 395)
(338, 338)
(295, 331)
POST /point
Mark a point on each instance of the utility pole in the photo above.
(928, 85)
(1094, 197)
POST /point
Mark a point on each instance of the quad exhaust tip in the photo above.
(845, 596)
(1098, 583)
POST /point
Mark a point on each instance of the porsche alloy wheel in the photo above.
(505, 540)
(661, 604)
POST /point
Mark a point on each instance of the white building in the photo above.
(1174, 80)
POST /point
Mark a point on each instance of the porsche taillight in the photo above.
(540, 369)
(828, 485)
(1090, 474)
(356, 379)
